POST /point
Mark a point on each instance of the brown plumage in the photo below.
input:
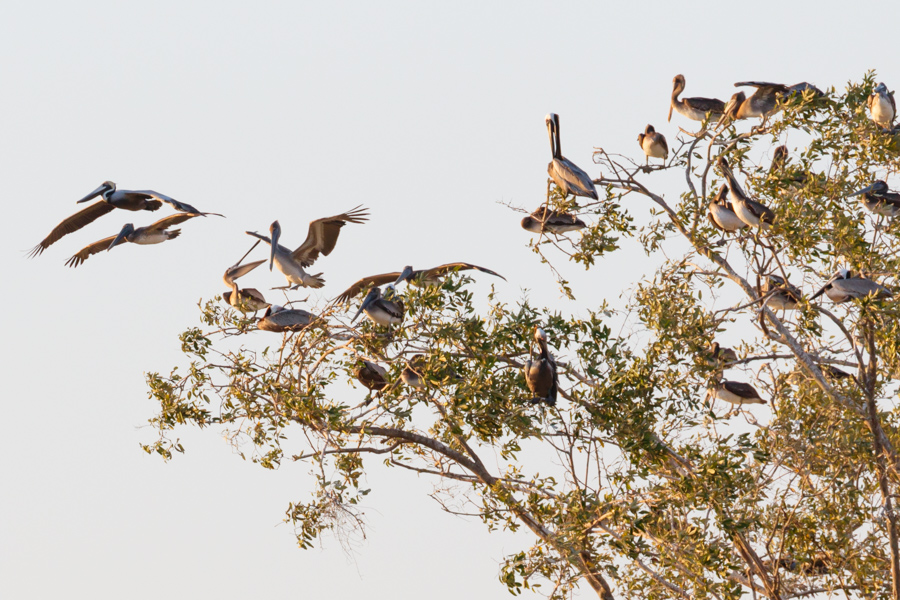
(151, 234)
(653, 144)
(696, 109)
(545, 220)
(428, 276)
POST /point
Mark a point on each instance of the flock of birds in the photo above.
(731, 210)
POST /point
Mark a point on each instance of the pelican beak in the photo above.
(275, 230)
(370, 298)
(670, 114)
(406, 275)
(865, 190)
(103, 187)
(121, 237)
(239, 271)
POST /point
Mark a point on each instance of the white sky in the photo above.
(428, 115)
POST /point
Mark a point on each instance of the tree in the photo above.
(648, 486)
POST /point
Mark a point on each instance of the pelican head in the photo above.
(552, 121)
(880, 89)
(406, 275)
(844, 273)
(127, 230)
(275, 231)
(721, 196)
(723, 165)
(539, 335)
(878, 188)
(677, 88)
(373, 295)
(239, 271)
(106, 188)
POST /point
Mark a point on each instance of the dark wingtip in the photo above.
(36, 251)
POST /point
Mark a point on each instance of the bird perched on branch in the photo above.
(567, 176)
(878, 199)
(246, 299)
(721, 213)
(845, 286)
(373, 376)
(280, 319)
(545, 220)
(882, 108)
(430, 276)
(696, 109)
(735, 392)
(653, 144)
(383, 309)
(782, 295)
(540, 374)
(751, 212)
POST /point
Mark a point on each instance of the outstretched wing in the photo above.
(176, 204)
(323, 235)
(167, 222)
(357, 288)
(83, 254)
(761, 84)
(73, 223)
(459, 266)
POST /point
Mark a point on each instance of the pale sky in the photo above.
(428, 115)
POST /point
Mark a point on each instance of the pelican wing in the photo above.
(707, 105)
(741, 389)
(73, 223)
(176, 204)
(762, 84)
(458, 266)
(357, 288)
(323, 235)
(571, 179)
(171, 220)
(765, 214)
(83, 254)
(286, 320)
(858, 287)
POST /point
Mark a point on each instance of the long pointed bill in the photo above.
(824, 287)
(370, 298)
(93, 194)
(275, 230)
(121, 237)
(240, 270)
(670, 114)
(405, 275)
(865, 190)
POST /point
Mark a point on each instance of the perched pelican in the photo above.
(427, 276)
(735, 392)
(721, 213)
(280, 319)
(380, 309)
(882, 108)
(246, 299)
(152, 234)
(540, 375)
(845, 286)
(696, 109)
(653, 144)
(373, 376)
(763, 103)
(878, 199)
(413, 373)
(722, 355)
(544, 220)
(833, 372)
(565, 174)
(782, 295)
(111, 199)
(751, 212)
(321, 238)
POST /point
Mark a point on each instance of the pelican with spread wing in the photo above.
(321, 239)
(430, 276)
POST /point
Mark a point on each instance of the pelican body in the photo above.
(653, 144)
(540, 374)
(782, 294)
(155, 233)
(568, 177)
(430, 276)
(380, 309)
(413, 374)
(544, 220)
(736, 392)
(696, 109)
(878, 199)
(721, 213)
(749, 211)
(246, 299)
(722, 355)
(845, 286)
(280, 319)
(373, 376)
(882, 108)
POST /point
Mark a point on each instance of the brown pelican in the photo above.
(152, 234)
(373, 376)
(735, 392)
(882, 108)
(721, 213)
(540, 375)
(246, 299)
(430, 276)
(782, 295)
(321, 238)
(280, 319)
(111, 199)
(878, 199)
(749, 211)
(567, 176)
(845, 286)
(653, 144)
(722, 355)
(381, 309)
(764, 101)
(544, 220)
(413, 373)
(696, 109)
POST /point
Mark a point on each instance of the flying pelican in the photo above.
(321, 238)
(882, 108)
(721, 214)
(735, 392)
(280, 319)
(544, 220)
(152, 234)
(243, 299)
(540, 375)
(845, 286)
(567, 176)
(878, 199)
(696, 109)
(111, 199)
(751, 212)
(380, 309)
(430, 276)
(653, 144)
(412, 374)
(373, 376)
(782, 294)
